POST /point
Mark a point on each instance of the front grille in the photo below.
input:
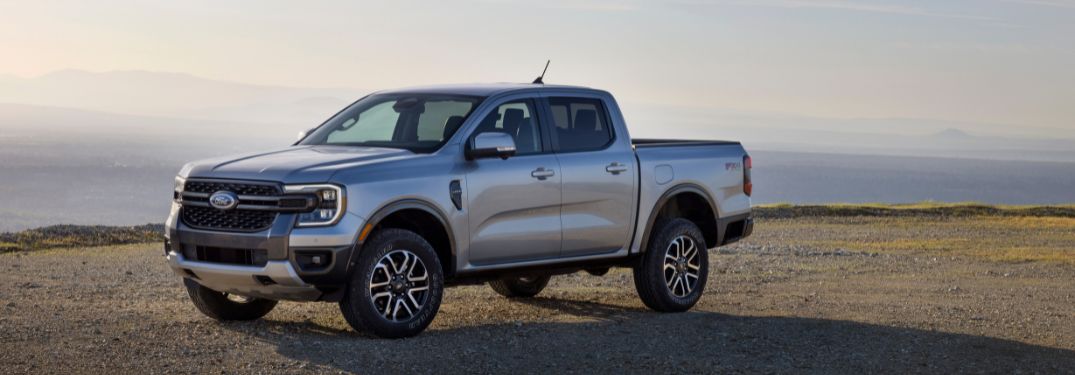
(197, 214)
(224, 255)
(232, 220)
(240, 188)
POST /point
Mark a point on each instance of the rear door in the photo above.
(597, 176)
(514, 204)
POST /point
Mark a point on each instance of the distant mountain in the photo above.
(177, 95)
(952, 133)
(41, 123)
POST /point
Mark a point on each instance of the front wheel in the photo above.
(395, 287)
(224, 306)
(672, 273)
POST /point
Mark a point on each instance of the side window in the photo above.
(580, 124)
(517, 119)
(441, 119)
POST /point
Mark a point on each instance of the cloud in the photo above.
(845, 5)
(583, 5)
(1070, 4)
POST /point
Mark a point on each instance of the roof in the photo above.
(479, 89)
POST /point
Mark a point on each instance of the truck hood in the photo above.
(295, 164)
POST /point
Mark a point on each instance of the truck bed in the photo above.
(712, 168)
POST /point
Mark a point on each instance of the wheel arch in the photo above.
(418, 216)
(688, 201)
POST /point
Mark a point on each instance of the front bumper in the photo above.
(286, 275)
(276, 280)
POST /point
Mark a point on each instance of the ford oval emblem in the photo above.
(223, 200)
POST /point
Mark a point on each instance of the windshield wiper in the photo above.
(414, 149)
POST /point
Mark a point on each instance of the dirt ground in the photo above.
(847, 295)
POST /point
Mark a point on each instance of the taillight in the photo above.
(748, 186)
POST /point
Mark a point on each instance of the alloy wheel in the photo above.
(681, 266)
(399, 285)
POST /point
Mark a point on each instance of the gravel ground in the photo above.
(771, 306)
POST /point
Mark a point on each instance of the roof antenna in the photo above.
(538, 80)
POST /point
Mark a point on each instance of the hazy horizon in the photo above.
(287, 110)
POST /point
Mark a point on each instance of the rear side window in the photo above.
(580, 124)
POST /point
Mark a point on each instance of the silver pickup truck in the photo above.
(407, 191)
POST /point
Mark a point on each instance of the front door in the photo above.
(514, 204)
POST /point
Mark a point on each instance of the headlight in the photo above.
(331, 202)
(177, 191)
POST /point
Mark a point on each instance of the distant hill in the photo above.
(952, 133)
(177, 95)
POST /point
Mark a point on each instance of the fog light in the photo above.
(313, 259)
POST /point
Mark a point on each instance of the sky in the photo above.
(1004, 62)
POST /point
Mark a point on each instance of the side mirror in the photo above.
(491, 144)
(303, 134)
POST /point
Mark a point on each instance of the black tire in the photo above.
(652, 277)
(219, 306)
(520, 286)
(366, 314)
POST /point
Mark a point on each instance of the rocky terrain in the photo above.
(811, 294)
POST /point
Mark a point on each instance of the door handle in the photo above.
(616, 168)
(542, 173)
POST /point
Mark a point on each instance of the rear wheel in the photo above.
(671, 276)
(396, 286)
(520, 287)
(226, 306)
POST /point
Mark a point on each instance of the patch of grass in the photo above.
(928, 208)
(61, 236)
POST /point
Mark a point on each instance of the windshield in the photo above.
(417, 122)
